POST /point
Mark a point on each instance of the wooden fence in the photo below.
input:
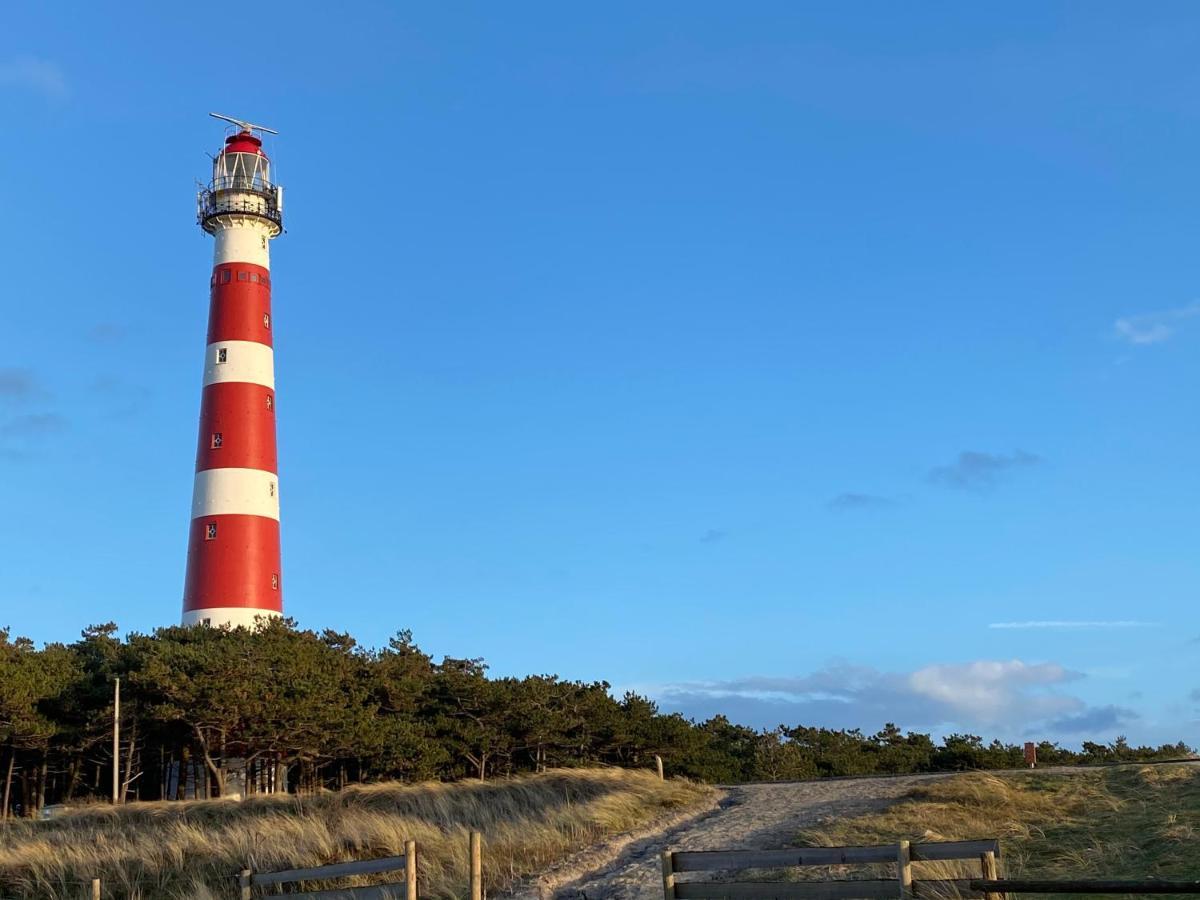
(248, 880)
(674, 863)
(902, 855)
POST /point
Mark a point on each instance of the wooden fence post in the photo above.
(904, 867)
(658, 765)
(987, 862)
(668, 872)
(410, 870)
(95, 889)
(476, 866)
(244, 883)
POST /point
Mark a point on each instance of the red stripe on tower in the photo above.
(233, 572)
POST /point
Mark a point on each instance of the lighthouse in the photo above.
(233, 572)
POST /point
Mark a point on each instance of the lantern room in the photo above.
(242, 166)
(241, 184)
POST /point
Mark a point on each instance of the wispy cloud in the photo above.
(33, 425)
(990, 694)
(1155, 327)
(22, 437)
(712, 536)
(974, 469)
(32, 73)
(17, 384)
(1069, 624)
(848, 501)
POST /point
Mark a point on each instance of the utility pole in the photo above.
(116, 795)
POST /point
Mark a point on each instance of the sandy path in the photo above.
(751, 816)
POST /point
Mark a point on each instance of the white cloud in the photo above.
(1067, 624)
(1155, 327)
(31, 73)
(1006, 697)
(990, 691)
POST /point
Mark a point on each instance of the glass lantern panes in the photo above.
(241, 172)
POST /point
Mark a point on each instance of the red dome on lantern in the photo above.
(244, 142)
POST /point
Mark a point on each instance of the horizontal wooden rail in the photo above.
(336, 870)
(377, 892)
(407, 889)
(902, 855)
(827, 890)
(1035, 886)
(941, 850)
(712, 860)
(831, 890)
(787, 890)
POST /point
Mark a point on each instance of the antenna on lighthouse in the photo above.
(244, 125)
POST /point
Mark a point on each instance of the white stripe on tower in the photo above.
(223, 492)
(233, 616)
(242, 242)
(246, 361)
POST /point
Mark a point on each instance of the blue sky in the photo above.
(763, 358)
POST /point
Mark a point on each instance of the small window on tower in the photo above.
(210, 531)
(213, 281)
(206, 621)
(217, 440)
(266, 320)
(275, 582)
(270, 402)
(254, 278)
(272, 489)
(243, 276)
(226, 276)
(222, 355)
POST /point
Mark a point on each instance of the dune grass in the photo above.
(1129, 822)
(177, 850)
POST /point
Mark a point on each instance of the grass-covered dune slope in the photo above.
(159, 850)
(1128, 822)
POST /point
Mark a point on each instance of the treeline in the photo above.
(206, 712)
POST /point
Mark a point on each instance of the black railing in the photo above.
(238, 201)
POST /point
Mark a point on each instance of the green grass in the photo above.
(1122, 823)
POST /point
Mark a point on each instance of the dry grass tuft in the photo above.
(178, 850)
(1128, 822)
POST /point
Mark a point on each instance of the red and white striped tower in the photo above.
(233, 573)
